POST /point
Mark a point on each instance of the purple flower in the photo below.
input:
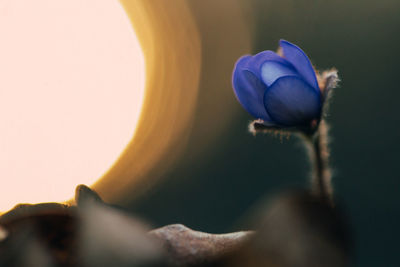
(280, 91)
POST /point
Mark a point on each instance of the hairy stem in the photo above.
(321, 177)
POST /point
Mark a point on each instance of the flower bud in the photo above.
(282, 91)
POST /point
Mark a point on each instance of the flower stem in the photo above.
(319, 153)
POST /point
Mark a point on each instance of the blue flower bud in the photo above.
(280, 91)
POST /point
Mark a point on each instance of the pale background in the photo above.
(71, 89)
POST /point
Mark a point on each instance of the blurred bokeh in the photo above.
(217, 181)
(193, 160)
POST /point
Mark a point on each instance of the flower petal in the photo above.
(290, 101)
(256, 61)
(249, 90)
(272, 70)
(300, 61)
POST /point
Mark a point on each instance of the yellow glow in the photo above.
(71, 90)
(183, 43)
(172, 48)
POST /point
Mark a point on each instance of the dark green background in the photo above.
(361, 39)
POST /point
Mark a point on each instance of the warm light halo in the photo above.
(85, 58)
(172, 48)
(189, 48)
